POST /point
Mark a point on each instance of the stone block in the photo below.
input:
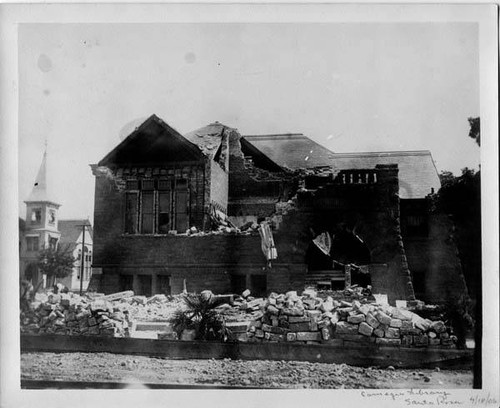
(234, 327)
(372, 321)
(401, 314)
(379, 332)
(92, 321)
(274, 321)
(313, 326)
(444, 335)
(327, 306)
(335, 318)
(291, 336)
(432, 335)
(421, 340)
(388, 342)
(309, 303)
(313, 314)
(438, 326)
(392, 333)
(406, 324)
(446, 342)
(283, 323)
(311, 293)
(279, 330)
(273, 310)
(324, 323)
(299, 319)
(434, 342)
(413, 331)
(299, 327)
(94, 330)
(356, 319)
(365, 309)
(407, 340)
(103, 305)
(365, 329)
(421, 323)
(325, 334)
(383, 318)
(267, 327)
(259, 333)
(242, 337)
(397, 323)
(308, 336)
(294, 311)
(346, 328)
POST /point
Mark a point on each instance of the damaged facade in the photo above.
(174, 212)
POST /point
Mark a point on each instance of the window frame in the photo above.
(173, 188)
(32, 248)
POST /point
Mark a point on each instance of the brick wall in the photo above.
(372, 210)
(434, 259)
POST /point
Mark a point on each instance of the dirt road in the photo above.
(101, 367)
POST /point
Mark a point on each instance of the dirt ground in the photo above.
(102, 367)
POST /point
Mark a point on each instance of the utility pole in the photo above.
(82, 263)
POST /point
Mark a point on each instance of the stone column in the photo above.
(135, 284)
(154, 284)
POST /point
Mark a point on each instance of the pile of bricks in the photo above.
(71, 314)
(311, 320)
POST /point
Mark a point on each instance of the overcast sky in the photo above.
(351, 87)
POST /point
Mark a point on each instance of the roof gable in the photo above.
(292, 150)
(208, 138)
(152, 143)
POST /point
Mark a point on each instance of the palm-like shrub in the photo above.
(200, 314)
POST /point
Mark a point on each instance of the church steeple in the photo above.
(41, 227)
(40, 192)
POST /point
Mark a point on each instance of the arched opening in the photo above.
(331, 252)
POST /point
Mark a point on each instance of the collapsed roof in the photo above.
(418, 176)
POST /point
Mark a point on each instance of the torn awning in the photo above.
(267, 241)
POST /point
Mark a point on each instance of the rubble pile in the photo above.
(312, 320)
(71, 314)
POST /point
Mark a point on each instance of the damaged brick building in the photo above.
(174, 212)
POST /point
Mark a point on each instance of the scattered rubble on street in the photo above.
(101, 367)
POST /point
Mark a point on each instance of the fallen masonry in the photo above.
(310, 318)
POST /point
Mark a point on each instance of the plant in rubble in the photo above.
(199, 314)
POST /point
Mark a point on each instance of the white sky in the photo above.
(351, 87)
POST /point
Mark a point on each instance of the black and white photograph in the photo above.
(295, 201)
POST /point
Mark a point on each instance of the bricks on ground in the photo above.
(309, 318)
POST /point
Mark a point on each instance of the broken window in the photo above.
(164, 210)
(36, 216)
(32, 244)
(181, 205)
(147, 225)
(131, 208)
(52, 243)
(158, 207)
(52, 217)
